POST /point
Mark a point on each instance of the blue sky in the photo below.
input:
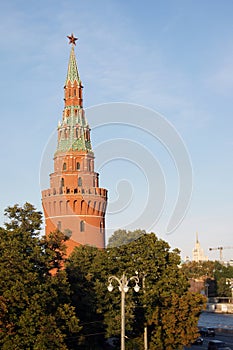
(175, 57)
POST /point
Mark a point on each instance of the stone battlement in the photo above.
(95, 191)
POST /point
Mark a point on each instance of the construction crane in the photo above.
(220, 250)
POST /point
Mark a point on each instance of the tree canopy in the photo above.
(163, 301)
(50, 302)
(35, 309)
(215, 273)
(121, 237)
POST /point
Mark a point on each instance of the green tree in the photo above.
(173, 323)
(165, 283)
(121, 237)
(83, 268)
(163, 302)
(222, 274)
(35, 310)
(213, 273)
(200, 269)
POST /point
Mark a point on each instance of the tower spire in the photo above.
(73, 131)
(72, 73)
(73, 85)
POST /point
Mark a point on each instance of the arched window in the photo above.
(74, 206)
(62, 182)
(79, 181)
(67, 206)
(64, 166)
(94, 207)
(88, 206)
(82, 226)
(78, 166)
(101, 227)
(82, 205)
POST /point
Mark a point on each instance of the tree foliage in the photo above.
(83, 270)
(35, 310)
(121, 237)
(43, 296)
(214, 273)
(173, 323)
(163, 302)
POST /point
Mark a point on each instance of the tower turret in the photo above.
(74, 203)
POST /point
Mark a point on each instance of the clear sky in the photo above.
(174, 57)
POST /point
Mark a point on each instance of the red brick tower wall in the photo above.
(74, 203)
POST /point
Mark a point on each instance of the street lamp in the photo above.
(123, 288)
(145, 327)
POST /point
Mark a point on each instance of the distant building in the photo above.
(198, 252)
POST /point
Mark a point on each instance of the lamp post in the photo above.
(145, 327)
(123, 288)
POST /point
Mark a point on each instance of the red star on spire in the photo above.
(72, 39)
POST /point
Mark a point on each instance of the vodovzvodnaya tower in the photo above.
(74, 203)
